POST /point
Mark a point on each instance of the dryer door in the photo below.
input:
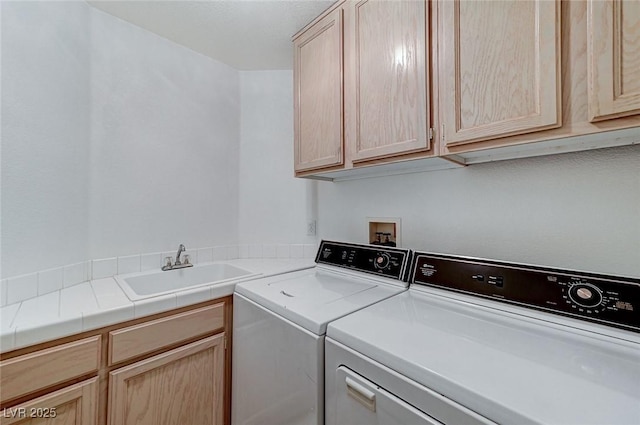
(360, 401)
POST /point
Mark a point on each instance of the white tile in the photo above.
(269, 251)
(7, 339)
(40, 310)
(193, 296)
(204, 255)
(4, 286)
(77, 300)
(74, 274)
(40, 333)
(296, 251)
(50, 280)
(219, 253)
(98, 319)
(128, 264)
(232, 252)
(283, 251)
(154, 305)
(7, 316)
(104, 267)
(222, 290)
(310, 251)
(255, 251)
(109, 294)
(243, 251)
(22, 288)
(150, 261)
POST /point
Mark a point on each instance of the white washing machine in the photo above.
(476, 341)
(279, 325)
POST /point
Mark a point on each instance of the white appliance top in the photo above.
(314, 297)
(507, 367)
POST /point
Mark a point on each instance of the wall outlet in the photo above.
(311, 228)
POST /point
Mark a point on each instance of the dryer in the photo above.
(480, 341)
(279, 325)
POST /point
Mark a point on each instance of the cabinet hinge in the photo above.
(430, 133)
(225, 342)
(442, 133)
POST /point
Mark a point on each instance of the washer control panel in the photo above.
(608, 300)
(381, 260)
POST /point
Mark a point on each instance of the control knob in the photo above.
(585, 295)
(381, 261)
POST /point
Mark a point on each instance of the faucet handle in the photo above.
(168, 261)
(186, 259)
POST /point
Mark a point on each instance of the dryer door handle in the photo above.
(361, 394)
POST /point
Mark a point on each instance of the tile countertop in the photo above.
(101, 302)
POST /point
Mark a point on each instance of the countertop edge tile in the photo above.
(149, 306)
(106, 317)
(7, 339)
(36, 334)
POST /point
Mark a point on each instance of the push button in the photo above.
(497, 281)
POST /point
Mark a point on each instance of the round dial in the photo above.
(381, 261)
(585, 295)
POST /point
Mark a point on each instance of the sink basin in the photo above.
(153, 283)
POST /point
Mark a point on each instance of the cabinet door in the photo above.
(500, 68)
(614, 58)
(72, 405)
(386, 93)
(318, 125)
(181, 386)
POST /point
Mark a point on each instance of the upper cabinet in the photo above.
(500, 69)
(388, 84)
(386, 91)
(363, 84)
(614, 58)
(318, 122)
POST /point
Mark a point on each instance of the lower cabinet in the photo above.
(171, 368)
(181, 386)
(72, 405)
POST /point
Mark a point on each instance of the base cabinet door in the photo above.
(499, 70)
(72, 405)
(614, 58)
(181, 386)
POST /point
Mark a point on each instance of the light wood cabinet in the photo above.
(182, 386)
(386, 85)
(72, 405)
(614, 58)
(500, 72)
(45, 368)
(318, 117)
(171, 368)
(137, 340)
(386, 91)
(489, 80)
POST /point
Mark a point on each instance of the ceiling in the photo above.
(246, 34)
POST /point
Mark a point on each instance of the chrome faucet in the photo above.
(178, 264)
(181, 249)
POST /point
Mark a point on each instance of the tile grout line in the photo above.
(15, 316)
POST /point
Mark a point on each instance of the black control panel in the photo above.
(379, 260)
(608, 300)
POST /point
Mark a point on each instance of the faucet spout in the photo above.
(181, 249)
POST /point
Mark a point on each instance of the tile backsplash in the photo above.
(19, 288)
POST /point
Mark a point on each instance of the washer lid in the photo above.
(506, 367)
(312, 298)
